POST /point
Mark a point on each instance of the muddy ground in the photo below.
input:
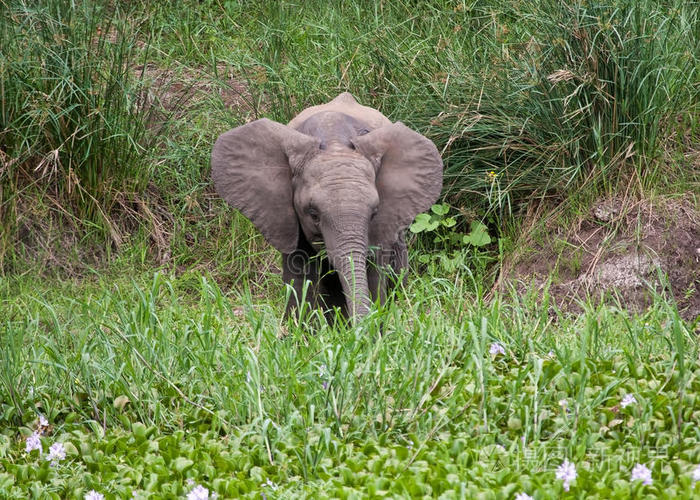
(622, 252)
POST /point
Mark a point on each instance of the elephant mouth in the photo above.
(318, 245)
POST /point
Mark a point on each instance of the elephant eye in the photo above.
(374, 212)
(313, 213)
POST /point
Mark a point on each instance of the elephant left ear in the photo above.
(409, 177)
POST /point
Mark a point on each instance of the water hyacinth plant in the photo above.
(566, 473)
(641, 473)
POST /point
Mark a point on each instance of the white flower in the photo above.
(496, 349)
(563, 403)
(627, 400)
(696, 474)
(523, 496)
(270, 484)
(322, 371)
(43, 422)
(567, 473)
(93, 495)
(33, 443)
(641, 472)
(56, 453)
(199, 492)
(189, 482)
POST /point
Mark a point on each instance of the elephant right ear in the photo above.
(251, 166)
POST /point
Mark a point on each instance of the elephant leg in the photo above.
(378, 270)
(386, 268)
(376, 280)
(399, 258)
(299, 267)
(330, 292)
(399, 254)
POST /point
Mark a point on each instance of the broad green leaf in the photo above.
(449, 222)
(420, 224)
(181, 464)
(440, 209)
(478, 235)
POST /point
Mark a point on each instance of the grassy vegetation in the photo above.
(73, 129)
(173, 378)
(143, 319)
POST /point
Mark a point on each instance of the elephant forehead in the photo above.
(335, 186)
(345, 168)
(333, 126)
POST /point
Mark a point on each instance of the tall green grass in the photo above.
(525, 100)
(584, 93)
(548, 96)
(414, 388)
(74, 121)
(169, 342)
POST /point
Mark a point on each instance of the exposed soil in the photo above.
(619, 249)
(174, 93)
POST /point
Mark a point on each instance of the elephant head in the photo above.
(340, 174)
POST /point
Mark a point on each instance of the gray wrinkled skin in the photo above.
(334, 191)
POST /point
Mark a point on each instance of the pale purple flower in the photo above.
(696, 474)
(56, 453)
(323, 374)
(270, 484)
(641, 472)
(189, 482)
(496, 349)
(628, 400)
(43, 422)
(93, 495)
(199, 492)
(523, 496)
(33, 443)
(566, 472)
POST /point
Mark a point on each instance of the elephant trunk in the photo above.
(353, 278)
(347, 251)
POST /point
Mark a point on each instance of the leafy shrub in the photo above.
(453, 246)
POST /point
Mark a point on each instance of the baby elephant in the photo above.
(339, 176)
